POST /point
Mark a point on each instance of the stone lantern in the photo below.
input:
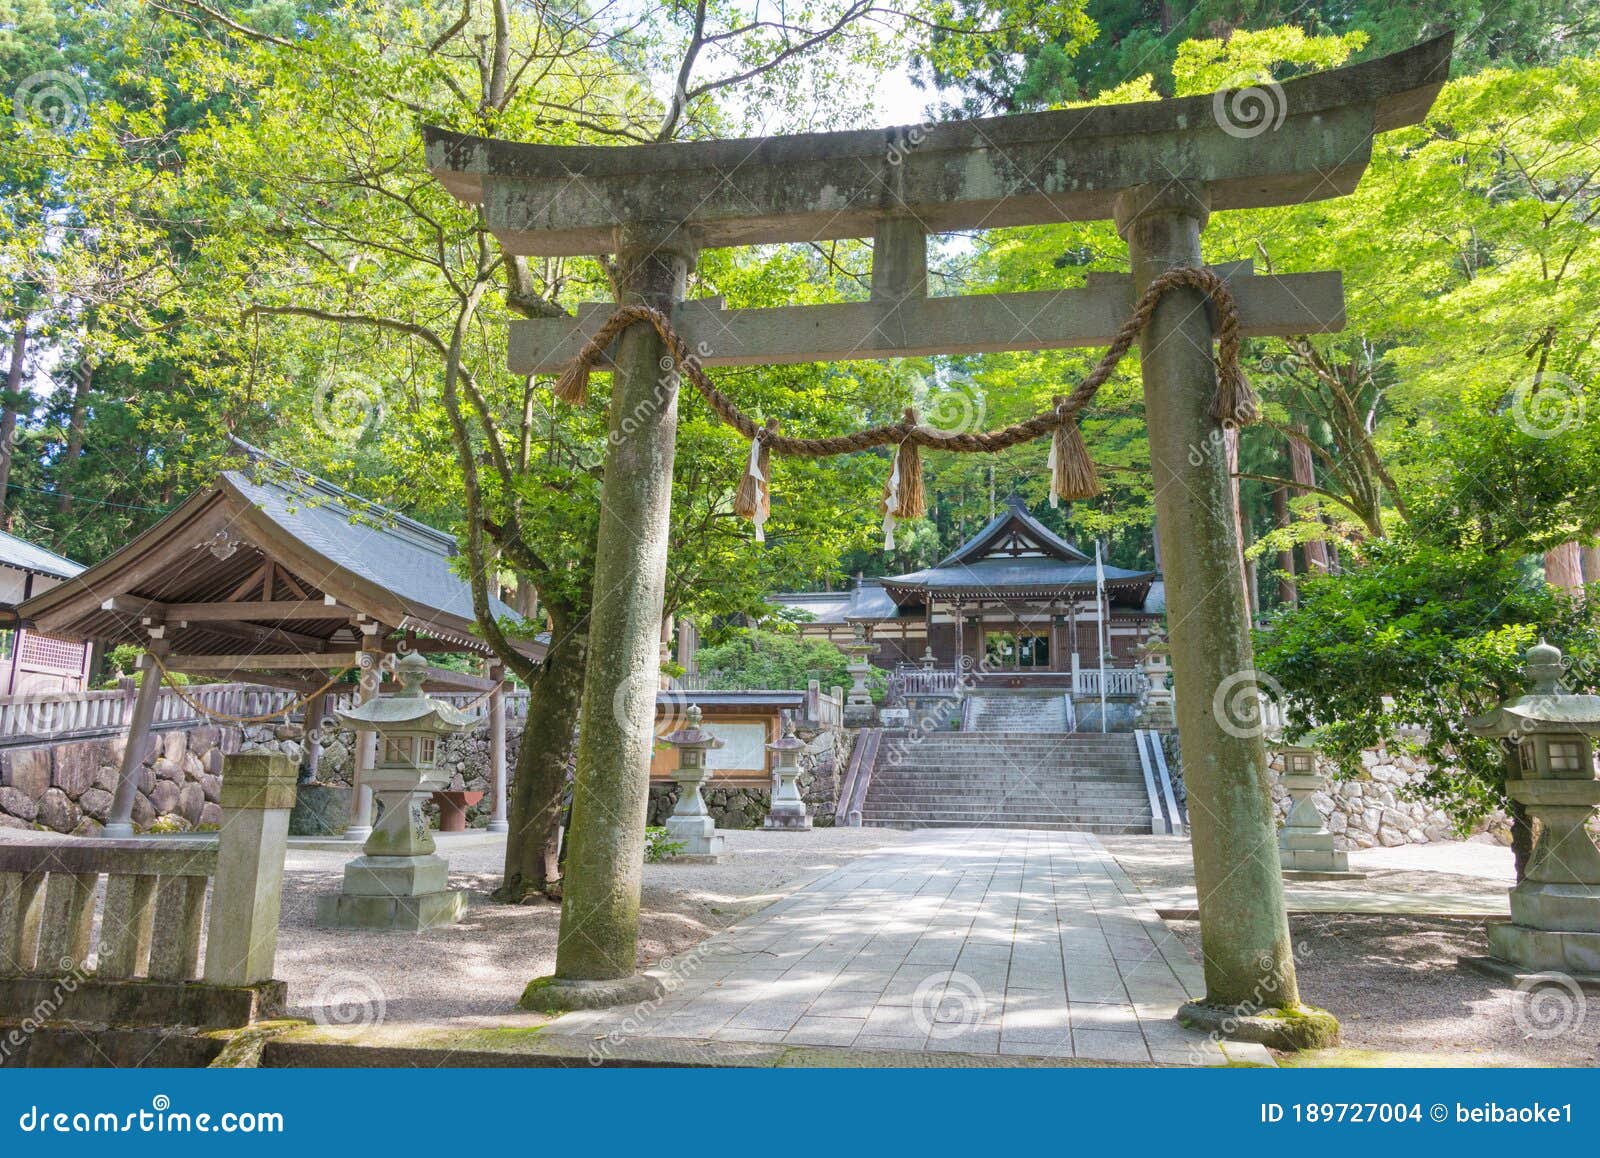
(788, 811)
(1305, 846)
(690, 823)
(1160, 710)
(1555, 911)
(399, 882)
(858, 707)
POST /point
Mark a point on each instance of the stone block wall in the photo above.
(1375, 809)
(746, 806)
(68, 787)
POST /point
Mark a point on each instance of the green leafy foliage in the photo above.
(1405, 647)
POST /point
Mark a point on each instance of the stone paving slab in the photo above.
(979, 943)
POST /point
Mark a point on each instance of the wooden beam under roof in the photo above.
(225, 612)
(265, 661)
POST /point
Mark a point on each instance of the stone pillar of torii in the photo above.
(1159, 170)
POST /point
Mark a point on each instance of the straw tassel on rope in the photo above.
(753, 499)
(572, 387)
(1072, 473)
(903, 496)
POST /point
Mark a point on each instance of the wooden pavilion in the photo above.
(276, 577)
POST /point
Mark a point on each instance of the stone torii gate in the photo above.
(1158, 169)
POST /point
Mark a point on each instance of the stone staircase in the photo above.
(1075, 782)
(1010, 711)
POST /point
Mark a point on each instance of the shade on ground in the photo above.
(1033, 944)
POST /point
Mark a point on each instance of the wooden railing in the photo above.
(38, 718)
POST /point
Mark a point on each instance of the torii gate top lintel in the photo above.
(1308, 138)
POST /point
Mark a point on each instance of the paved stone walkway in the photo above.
(955, 941)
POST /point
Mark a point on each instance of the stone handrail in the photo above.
(1120, 681)
(150, 920)
(149, 942)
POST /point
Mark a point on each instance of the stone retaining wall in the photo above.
(1375, 810)
(68, 787)
(746, 806)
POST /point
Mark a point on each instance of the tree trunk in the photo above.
(539, 783)
(1591, 564)
(1288, 591)
(1563, 567)
(81, 382)
(1300, 462)
(8, 416)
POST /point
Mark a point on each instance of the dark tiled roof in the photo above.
(26, 556)
(408, 558)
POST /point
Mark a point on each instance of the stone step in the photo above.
(1020, 817)
(1107, 829)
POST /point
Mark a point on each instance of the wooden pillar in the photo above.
(961, 633)
(605, 853)
(1243, 924)
(316, 709)
(497, 749)
(366, 754)
(120, 820)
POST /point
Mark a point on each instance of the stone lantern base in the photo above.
(787, 818)
(404, 893)
(702, 843)
(1305, 847)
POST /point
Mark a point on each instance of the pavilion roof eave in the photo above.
(74, 609)
(1138, 584)
(562, 200)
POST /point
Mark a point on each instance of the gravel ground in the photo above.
(477, 969)
(1393, 981)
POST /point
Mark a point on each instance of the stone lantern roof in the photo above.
(409, 709)
(1544, 707)
(692, 735)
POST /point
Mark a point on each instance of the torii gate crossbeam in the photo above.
(1158, 169)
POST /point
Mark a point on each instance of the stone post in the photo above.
(788, 810)
(258, 790)
(120, 820)
(497, 751)
(611, 793)
(1243, 923)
